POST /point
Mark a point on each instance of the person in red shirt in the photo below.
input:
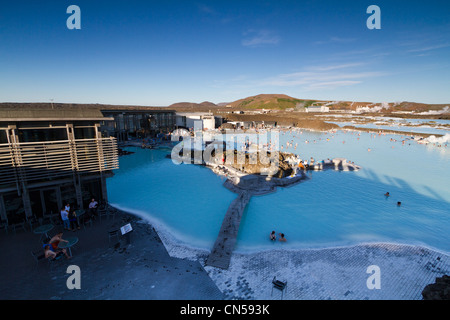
(51, 249)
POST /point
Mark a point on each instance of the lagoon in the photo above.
(188, 202)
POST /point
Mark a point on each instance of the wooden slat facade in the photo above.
(37, 161)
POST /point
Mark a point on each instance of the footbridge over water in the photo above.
(246, 186)
(223, 247)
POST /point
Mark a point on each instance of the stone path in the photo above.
(223, 247)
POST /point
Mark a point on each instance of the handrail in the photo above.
(28, 161)
(58, 141)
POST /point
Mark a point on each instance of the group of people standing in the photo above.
(70, 219)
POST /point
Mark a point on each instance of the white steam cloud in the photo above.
(384, 106)
(440, 140)
(444, 110)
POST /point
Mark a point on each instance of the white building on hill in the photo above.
(317, 109)
(187, 120)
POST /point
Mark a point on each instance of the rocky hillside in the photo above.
(269, 101)
(280, 102)
(194, 107)
(284, 102)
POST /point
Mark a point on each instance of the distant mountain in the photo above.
(270, 101)
(261, 101)
(192, 106)
(283, 102)
(223, 104)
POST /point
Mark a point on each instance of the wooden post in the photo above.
(44, 207)
(2, 208)
(78, 192)
(104, 191)
(75, 176)
(59, 198)
(26, 201)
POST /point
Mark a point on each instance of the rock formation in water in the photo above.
(253, 164)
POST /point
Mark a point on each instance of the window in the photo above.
(41, 135)
(3, 136)
(84, 133)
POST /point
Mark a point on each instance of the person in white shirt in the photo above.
(65, 218)
(93, 208)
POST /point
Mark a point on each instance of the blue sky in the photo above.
(160, 52)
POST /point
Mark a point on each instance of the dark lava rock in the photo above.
(440, 290)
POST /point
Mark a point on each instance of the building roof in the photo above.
(194, 114)
(136, 111)
(30, 113)
(66, 111)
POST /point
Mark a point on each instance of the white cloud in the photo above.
(330, 85)
(260, 38)
(335, 40)
(321, 77)
(428, 48)
(337, 66)
(206, 9)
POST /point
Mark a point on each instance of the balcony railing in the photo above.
(35, 161)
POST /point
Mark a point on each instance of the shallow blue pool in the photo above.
(188, 202)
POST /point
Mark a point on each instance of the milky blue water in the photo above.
(428, 126)
(333, 208)
(395, 127)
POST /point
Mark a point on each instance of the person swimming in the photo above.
(273, 237)
(282, 238)
(399, 204)
(387, 194)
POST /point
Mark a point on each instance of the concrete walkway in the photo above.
(165, 270)
(223, 247)
(141, 270)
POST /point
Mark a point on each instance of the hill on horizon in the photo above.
(270, 101)
(283, 102)
(192, 106)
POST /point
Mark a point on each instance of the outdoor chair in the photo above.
(18, 225)
(45, 220)
(112, 212)
(279, 285)
(87, 222)
(38, 255)
(55, 219)
(113, 234)
(102, 212)
(32, 222)
(4, 225)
